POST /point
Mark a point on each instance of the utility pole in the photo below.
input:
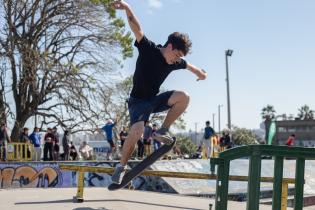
(196, 132)
(227, 54)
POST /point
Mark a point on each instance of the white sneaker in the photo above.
(162, 135)
(118, 174)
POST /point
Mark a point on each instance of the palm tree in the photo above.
(268, 114)
(305, 113)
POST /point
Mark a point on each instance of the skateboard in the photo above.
(135, 171)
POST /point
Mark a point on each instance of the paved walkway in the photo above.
(102, 199)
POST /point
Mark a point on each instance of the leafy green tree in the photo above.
(268, 114)
(305, 113)
(185, 144)
(54, 55)
(243, 136)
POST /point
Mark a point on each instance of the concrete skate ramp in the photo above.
(237, 167)
(102, 199)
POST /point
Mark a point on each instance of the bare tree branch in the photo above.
(58, 54)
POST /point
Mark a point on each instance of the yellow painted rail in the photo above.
(19, 151)
(186, 175)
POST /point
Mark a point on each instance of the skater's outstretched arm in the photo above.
(200, 73)
(132, 19)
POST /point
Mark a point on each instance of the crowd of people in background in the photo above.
(145, 145)
(46, 146)
(50, 144)
(49, 149)
(214, 142)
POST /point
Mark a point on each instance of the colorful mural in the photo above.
(30, 175)
(43, 174)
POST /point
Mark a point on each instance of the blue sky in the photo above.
(273, 60)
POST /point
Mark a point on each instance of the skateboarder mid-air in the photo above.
(154, 64)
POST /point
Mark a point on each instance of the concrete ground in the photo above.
(102, 199)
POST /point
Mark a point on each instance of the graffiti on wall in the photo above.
(17, 176)
(147, 183)
(38, 175)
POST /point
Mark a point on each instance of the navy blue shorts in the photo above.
(140, 109)
(111, 142)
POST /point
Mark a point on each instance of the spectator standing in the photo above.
(123, 135)
(25, 146)
(108, 129)
(56, 147)
(222, 142)
(24, 136)
(156, 144)
(66, 145)
(216, 145)
(35, 140)
(86, 151)
(73, 151)
(208, 133)
(140, 148)
(147, 136)
(227, 141)
(290, 141)
(48, 146)
(4, 140)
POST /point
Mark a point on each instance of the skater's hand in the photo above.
(200, 73)
(119, 4)
(203, 76)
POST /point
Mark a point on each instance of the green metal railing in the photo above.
(255, 154)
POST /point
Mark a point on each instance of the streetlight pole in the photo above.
(228, 53)
(219, 118)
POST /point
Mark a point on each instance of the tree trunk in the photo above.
(267, 127)
(18, 126)
(2, 108)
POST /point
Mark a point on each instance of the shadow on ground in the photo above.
(106, 200)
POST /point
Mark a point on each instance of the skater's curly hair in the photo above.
(179, 41)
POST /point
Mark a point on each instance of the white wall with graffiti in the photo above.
(48, 174)
(39, 175)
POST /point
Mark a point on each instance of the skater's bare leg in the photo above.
(134, 135)
(179, 101)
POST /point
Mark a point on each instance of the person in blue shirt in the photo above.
(208, 133)
(35, 140)
(108, 129)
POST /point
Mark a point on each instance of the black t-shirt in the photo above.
(151, 69)
(123, 135)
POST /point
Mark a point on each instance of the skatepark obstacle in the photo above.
(255, 153)
(81, 170)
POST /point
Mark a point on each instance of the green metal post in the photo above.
(299, 183)
(213, 163)
(253, 190)
(222, 188)
(277, 183)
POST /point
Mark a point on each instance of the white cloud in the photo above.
(155, 4)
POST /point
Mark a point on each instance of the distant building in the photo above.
(304, 131)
